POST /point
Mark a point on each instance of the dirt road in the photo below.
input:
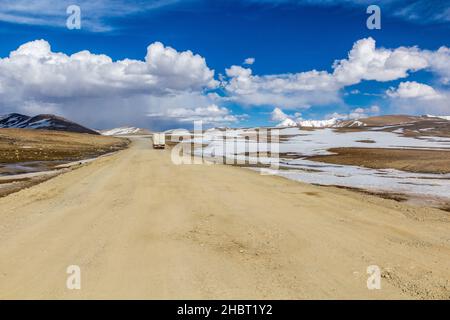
(140, 227)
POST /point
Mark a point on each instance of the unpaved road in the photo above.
(140, 227)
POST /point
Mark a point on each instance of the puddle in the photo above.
(8, 169)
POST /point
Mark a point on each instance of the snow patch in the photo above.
(440, 117)
(317, 142)
(121, 131)
(318, 123)
(287, 123)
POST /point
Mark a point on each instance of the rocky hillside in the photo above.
(42, 122)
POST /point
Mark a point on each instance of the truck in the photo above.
(159, 141)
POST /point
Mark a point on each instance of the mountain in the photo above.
(318, 123)
(440, 117)
(287, 123)
(13, 120)
(395, 120)
(310, 123)
(42, 122)
(376, 121)
(390, 120)
(411, 126)
(125, 131)
(349, 124)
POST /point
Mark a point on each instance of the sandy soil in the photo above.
(423, 161)
(141, 227)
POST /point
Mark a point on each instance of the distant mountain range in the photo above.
(287, 123)
(125, 131)
(42, 122)
(56, 123)
(329, 123)
(385, 120)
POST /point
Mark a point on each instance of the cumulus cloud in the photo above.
(414, 97)
(364, 62)
(414, 90)
(34, 75)
(421, 106)
(211, 114)
(278, 115)
(35, 79)
(249, 61)
(439, 63)
(288, 90)
(360, 113)
(40, 73)
(357, 113)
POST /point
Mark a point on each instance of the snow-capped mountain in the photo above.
(13, 120)
(318, 123)
(330, 123)
(349, 124)
(42, 122)
(440, 117)
(124, 131)
(287, 123)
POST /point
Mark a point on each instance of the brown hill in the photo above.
(42, 122)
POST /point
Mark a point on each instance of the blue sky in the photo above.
(287, 39)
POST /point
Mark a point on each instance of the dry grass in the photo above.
(20, 145)
(424, 161)
(413, 126)
(366, 141)
(436, 128)
(389, 120)
(399, 197)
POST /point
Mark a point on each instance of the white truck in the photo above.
(159, 141)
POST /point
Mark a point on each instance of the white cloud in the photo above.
(374, 109)
(35, 79)
(249, 61)
(298, 116)
(288, 90)
(419, 11)
(33, 71)
(413, 97)
(95, 14)
(360, 113)
(364, 62)
(421, 106)
(211, 114)
(357, 113)
(414, 90)
(423, 11)
(99, 15)
(439, 63)
(178, 69)
(277, 115)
